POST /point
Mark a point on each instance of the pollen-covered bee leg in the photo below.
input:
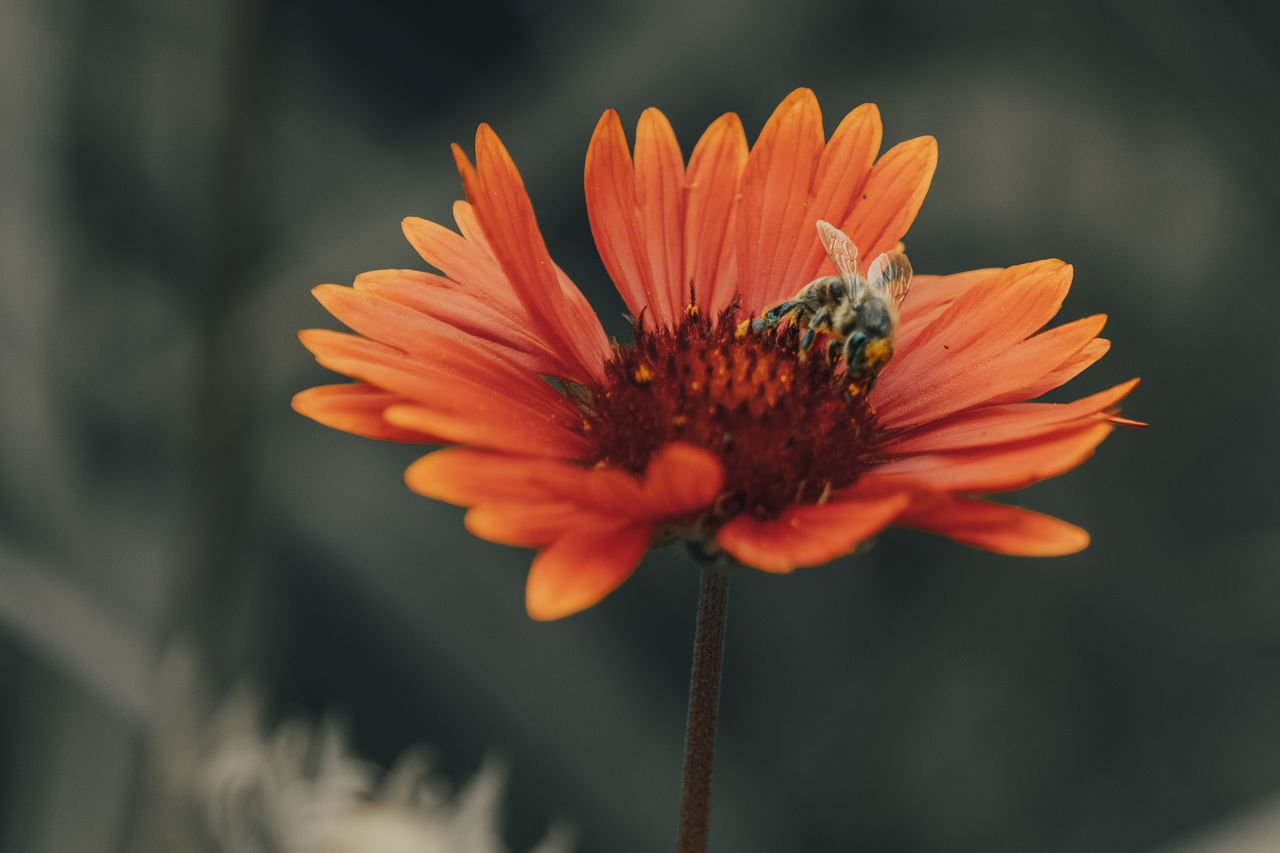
(855, 375)
(774, 315)
(814, 323)
(854, 349)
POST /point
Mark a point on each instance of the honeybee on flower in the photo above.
(860, 313)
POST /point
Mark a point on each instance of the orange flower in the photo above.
(737, 440)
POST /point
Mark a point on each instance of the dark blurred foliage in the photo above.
(177, 176)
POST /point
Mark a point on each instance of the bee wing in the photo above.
(842, 251)
(890, 276)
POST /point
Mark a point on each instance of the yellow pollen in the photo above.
(742, 328)
(878, 351)
(643, 374)
(854, 390)
(691, 310)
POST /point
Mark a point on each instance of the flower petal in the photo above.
(842, 173)
(970, 354)
(1000, 468)
(496, 428)
(582, 567)
(892, 196)
(609, 180)
(461, 260)
(464, 214)
(660, 202)
(454, 376)
(928, 297)
(467, 477)
(771, 220)
(996, 527)
(812, 534)
(1060, 375)
(1005, 423)
(714, 170)
(413, 313)
(560, 315)
(531, 525)
(457, 405)
(356, 408)
(1018, 367)
(681, 478)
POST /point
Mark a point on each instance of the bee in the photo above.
(859, 313)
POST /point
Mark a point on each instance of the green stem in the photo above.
(704, 696)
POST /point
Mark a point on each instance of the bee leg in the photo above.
(854, 349)
(814, 322)
(774, 315)
(833, 351)
(854, 375)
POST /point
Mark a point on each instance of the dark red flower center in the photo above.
(782, 422)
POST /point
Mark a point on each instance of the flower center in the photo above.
(781, 422)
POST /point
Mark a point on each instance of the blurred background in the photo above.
(176, 177)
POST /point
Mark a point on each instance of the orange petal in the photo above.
(1015, 368)
(452, 376)
(929, 296)
(501, 324)
(356, 408)
(681, 478)
(660, 202)
(582, 567)
(714, 169)
(996, 527)
(842, 172)
(389, 322)
(611, 210)
(771, 221)
(1002, 468)
(1005, 423)
(456, 406)
(466, 476)
(464, 214)
(809, 535)
(530, 525)
(1060, 375)
(892, 196)
(496, 428)
(419, 290)
(561, 316)
(954, 385)
(968, 354)
(460, 259)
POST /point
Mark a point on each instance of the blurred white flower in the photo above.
(221, 782)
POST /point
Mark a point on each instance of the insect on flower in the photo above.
(860, 313)
(712, 424)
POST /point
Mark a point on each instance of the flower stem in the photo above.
(704, 695)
